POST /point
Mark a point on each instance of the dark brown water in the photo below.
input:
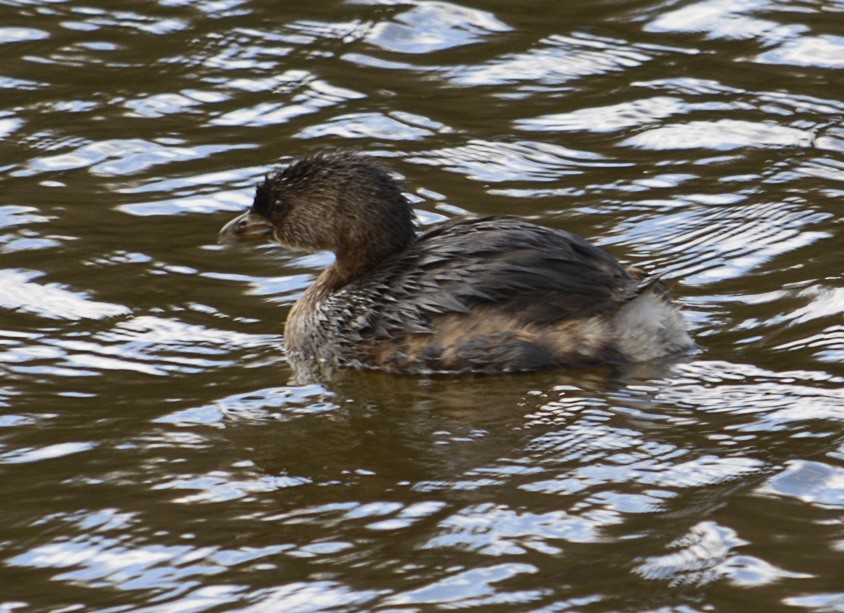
(153, 455)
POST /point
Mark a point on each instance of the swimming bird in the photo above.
(482, 295)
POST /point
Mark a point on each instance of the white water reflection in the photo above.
(709, 553)
(160, 105)
(470, 588)
(20, 34)
(258, 405)
(553, 61)
(20, 292)
(395, 126)
(313, 95)
(613, 118)
(8, 126)
(433, 26)
(495, 531)
(814, 483)
(120, 157)
(824, 51)
(726, 19)
(146, 345)
(721, 135)
(519, 161)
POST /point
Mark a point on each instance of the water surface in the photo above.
(154, 454)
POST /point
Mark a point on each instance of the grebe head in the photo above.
(335, 201)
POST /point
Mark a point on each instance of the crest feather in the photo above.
(264, 198)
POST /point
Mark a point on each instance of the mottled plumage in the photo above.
(495, 294)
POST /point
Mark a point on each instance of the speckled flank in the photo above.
(647, 328)
(482, 341)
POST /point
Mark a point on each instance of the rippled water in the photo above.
(153, 454)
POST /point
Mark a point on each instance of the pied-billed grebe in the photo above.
(493, 294)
